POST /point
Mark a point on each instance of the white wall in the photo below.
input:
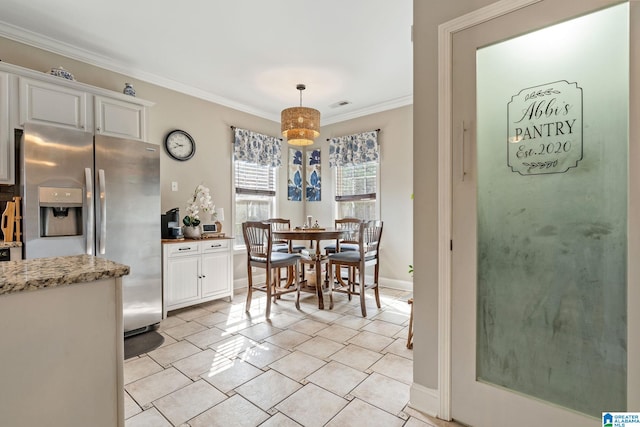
(427, 15)
(396, 186)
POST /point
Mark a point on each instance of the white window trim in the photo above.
(378, 192)
(241, 248)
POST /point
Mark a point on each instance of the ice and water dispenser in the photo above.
(60, 211)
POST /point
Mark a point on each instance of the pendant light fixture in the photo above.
(300, 125)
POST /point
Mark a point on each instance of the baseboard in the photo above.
(242, 283)
(424, 399)
(402, 285)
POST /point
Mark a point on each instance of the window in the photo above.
(255, 194)
(356, 191)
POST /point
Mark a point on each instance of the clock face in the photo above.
(180, 145)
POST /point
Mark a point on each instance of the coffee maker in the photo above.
(170, 223)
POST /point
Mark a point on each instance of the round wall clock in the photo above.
(180, 145)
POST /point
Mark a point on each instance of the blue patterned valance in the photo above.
(256, 148)
(354, 149)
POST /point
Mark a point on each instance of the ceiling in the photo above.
(244, 54)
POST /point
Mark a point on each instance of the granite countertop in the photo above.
(4, 245)
(40, 273)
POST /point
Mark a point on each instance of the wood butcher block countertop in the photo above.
(40, 273)
(203, 239)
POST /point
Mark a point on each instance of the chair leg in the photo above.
(363, 305)
(268, 286)
(297, 283)
(375, 277)
(351, 281)
(249, 289)
(410, 333)
(276, 284)
(330, 279)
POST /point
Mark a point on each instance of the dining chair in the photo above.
(283, 245)
(259, 243)
(368, 254)
(348, 242)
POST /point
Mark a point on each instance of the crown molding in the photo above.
(377, 108)
(39, 41)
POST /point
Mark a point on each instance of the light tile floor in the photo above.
(221, 366)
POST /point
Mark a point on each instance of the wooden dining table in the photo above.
(315, 235)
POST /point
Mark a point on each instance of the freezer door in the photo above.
(53, 164)
(127, 182)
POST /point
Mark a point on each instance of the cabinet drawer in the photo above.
(215, 245)
(178, 249)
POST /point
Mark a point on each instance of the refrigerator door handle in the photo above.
(90, 213)
(103, 212)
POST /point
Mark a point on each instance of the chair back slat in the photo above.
(351, 227)
(257, 238)
(371, 235)
(279, 224)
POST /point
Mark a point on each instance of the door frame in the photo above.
(446, 32)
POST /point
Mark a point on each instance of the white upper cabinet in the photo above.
(120, 119)
(28, 96)
(43, 98)
(48, 103)
(7, 175)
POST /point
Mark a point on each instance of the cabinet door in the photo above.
(7, 159)
(183, 279)
(216, 279)
(120, 118)
(47, 103)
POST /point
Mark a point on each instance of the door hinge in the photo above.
(450, 245)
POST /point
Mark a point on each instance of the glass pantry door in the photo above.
(541, 223)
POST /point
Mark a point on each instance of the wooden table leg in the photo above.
(319, 277)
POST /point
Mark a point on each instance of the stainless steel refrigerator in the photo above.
(97, 195)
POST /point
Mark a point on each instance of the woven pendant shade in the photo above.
(300, 125)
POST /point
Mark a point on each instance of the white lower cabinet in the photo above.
(196, 271)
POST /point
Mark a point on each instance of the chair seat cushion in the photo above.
(343, 247)
(279, 259)
(349, 256)
(283, 247)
